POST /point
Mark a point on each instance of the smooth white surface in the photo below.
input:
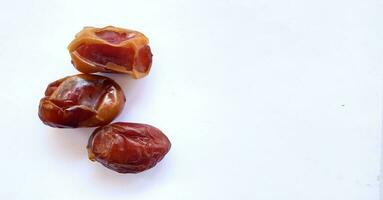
(262, 99)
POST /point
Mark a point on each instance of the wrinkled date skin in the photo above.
(111, 49)
(82, 100)
(128, 147)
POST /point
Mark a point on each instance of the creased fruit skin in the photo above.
(128, 147)
(111, 49)
(81, 100)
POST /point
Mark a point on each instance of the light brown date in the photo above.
(82, 100)
(111, 49)
(128, 147)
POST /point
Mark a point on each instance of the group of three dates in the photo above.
(87, 100)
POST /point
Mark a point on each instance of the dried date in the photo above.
(128, 147)
(111, 49)
(82, 100)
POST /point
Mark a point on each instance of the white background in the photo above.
(262, 99)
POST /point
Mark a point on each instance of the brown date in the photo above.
(81, 100)
(128, 147)
(111, 49)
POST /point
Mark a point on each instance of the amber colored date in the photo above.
(128, 147)
(111, 49)
(82, 100)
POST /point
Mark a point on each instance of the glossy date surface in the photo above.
(81, 100)
(128, 147)
(111, 49)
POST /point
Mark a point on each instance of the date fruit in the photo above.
(128, 147)
(111, 49)
(81, 100)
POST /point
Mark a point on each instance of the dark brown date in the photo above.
(128, 147)
(111, 49)
(81, 101)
